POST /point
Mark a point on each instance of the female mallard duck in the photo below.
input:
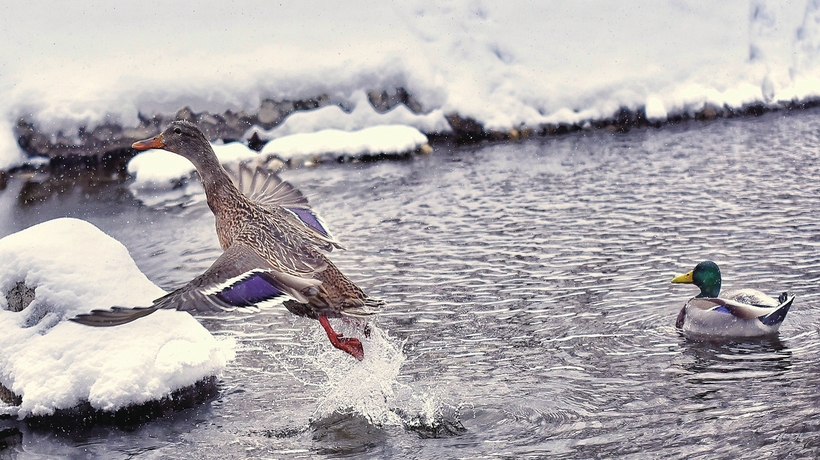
(273, 246)
(739, 313)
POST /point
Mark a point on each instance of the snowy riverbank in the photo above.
(92, 77)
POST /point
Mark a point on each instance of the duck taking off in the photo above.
(274, 247)
(738, 313)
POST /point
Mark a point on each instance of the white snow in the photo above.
(54, 363)
(158, 169)
(10, 153)
(393, 139)
(65, 65)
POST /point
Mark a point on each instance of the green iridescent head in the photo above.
(706, 276)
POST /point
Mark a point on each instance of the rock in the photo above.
(708, 112)
(85, 415)
(465, 130)
(384, 101)
(237, 122)
(19, 296)
(755, 109)
(8, 396)
(186, 114)
(559, 129)
(270, 113)
(255, 142)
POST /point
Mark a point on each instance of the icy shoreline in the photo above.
(102, 145)
(464, 71)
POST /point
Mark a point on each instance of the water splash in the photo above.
(364, 388)
(371, 389)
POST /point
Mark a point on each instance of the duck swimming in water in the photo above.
(738, 313)
(274, 247)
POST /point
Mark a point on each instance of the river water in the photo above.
(529, 305)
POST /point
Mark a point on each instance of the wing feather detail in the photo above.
(268, 190)
(238, 278)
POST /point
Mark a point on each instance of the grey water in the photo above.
(529, 307)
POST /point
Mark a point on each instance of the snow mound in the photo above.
(330, 144)
(52, 363)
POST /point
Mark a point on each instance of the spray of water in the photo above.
(370, 389)
(365, 388)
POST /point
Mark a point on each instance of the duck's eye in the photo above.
(177, 131)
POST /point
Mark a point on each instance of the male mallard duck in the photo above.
(739, 313)
(274, 248)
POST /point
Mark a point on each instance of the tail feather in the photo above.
(113, 317)
(776, 317)
(370, 307)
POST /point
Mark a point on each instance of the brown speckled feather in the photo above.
(274, 246)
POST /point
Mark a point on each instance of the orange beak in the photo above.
(146, 144)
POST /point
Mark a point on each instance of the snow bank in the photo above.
(53, 363)
(501, 63)
(361, 116)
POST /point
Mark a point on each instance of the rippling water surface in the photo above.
(529, 305)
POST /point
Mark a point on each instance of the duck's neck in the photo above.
(711, 288)
(219, 189)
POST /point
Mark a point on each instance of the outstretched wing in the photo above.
(268, 190)
(238, 278)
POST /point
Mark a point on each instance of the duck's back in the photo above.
(287, 247)
(750, 297)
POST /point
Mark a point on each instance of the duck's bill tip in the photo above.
(685, 278)
(147, 144)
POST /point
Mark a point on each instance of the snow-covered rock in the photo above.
(161, 169)
(51, 363)
(330, 144)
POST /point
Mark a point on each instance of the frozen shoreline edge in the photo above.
(107, 147)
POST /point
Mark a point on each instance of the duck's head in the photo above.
(706, 276)
(182, 138)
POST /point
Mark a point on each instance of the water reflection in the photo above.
(42, 185)
(529, 313)
(723, 361)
